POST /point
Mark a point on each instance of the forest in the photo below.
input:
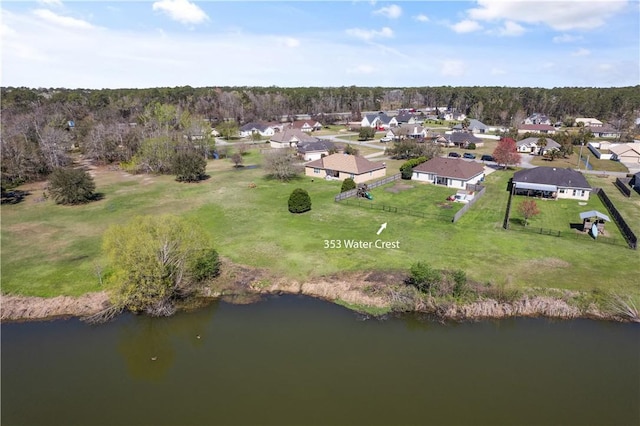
(42, 127)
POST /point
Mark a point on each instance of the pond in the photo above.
(296, 360)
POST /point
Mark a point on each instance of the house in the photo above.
(452, 115)
(379, 121)
(260, 128)
(409, 131)
(588, 122)
(315, 150)
(605, 131)
(551, 182)
(635, 182)
(306, 126)
(536, 128)
(532, 145)
(475, 126)
(450, 172)
(290, 138)
(343, 166)
(628, 153)
(463, 140)
(537, 118)
(407, 117)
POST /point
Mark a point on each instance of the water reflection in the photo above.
(148, 345)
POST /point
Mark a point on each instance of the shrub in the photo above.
(471, 146)
(424, 277)
(406, 173)
(410, 164)
(206, 266)
(348, 184)
(366, 133)
(459, 283)
(350, 150)
(71, 186)
(299, 201)
(189, 166)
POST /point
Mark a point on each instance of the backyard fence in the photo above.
(393, 209)
(623, 186)
(375, 184)
(479, 192)
(583, 236)
(628, 234)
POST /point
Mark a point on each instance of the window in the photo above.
(562, 191)
(574, 192)
(316, 171)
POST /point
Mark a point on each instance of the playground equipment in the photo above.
(363, 192)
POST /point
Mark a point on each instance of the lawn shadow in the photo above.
(14, 197)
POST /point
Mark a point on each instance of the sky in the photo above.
(169, 43)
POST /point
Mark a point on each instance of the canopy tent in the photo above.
(594, 213)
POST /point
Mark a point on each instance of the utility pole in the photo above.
(580, 158)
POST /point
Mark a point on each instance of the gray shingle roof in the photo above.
(451, 167)
(567, 178)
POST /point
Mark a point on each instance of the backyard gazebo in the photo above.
(593, 217)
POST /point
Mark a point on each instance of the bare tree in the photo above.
(280, 164)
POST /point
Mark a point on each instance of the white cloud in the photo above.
(361, 69)
(62, 21)
(452, 68)
(567, 38)
(511, 29)
(466, 26)
(581, 52)
(51, 3)
(182, 11)
(368, 35)
(290, 42)
(392, 12)
(421, 18)
(559, 15)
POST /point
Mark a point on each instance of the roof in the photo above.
(289, 135)
(625, 148)
(536, 127)
(320, 145)
(257, 126)
(461, 137)
(404, 116)
(533, 140)
(346, 163)
(473, 124)
(567, 178)
(451, 167)
(594, 213)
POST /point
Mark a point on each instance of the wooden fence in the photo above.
(623, 186)
(628, 234)
(375, 184)
(479, 193)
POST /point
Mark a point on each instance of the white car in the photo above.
(385, 139)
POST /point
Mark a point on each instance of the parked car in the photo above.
(487, 158)
(385, 139)
(454, 154)
(469, 155)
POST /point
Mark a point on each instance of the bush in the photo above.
(406, 173)
(350, 150)
(206, 266)
(299, 201)
(348, 184)
(366, 133)
(71, 186)
(459, 283)
(424, 277)
(471, 146)
(189, 166)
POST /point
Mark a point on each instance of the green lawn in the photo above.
(49, 250)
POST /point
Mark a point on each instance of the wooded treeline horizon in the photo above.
(38, 137)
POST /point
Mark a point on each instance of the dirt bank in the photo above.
(378, 289)
(17, 308)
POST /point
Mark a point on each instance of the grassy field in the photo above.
(572, 162)
(49, 250)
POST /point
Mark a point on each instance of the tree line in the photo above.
(144, 129)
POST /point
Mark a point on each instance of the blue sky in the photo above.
(167, 43)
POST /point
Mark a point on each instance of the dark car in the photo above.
(469, 155)
(454, 154)
(487, 158)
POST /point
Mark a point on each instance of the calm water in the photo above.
(296, 360)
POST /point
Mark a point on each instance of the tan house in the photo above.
(626, 153)
(290, 138)
(342, 166)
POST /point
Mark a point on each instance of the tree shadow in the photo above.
(13, 197)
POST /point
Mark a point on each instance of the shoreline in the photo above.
(362, 292)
